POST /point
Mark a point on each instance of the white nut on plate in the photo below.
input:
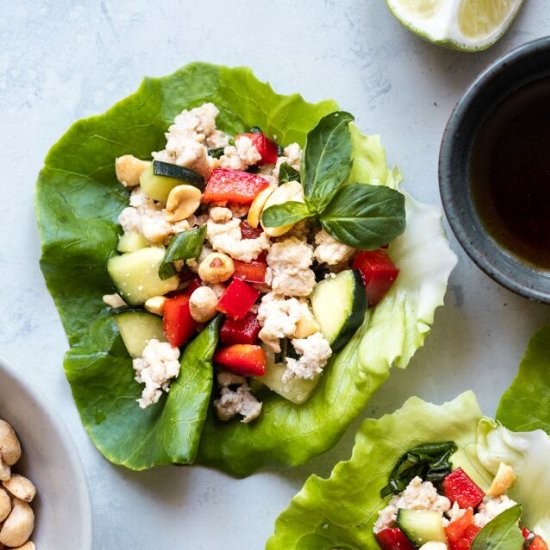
(27, 546)
(216, 268)
(129, 169)
(18, 526)
(155, 305)
(20, 487)
(202, 304)
(183, 201)
(10, 448)
(5, 505)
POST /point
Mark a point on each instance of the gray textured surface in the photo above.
(61, 60)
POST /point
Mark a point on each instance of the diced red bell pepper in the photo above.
(240, 331)
(237, 299)
(251, 272)
(538, 543)
(233, 186)
(178, 324)
(393, 539)
(242, 359)
(248, 232)
(378, 272)
(462, 532)
(194, 283)
(266, 147)
(458, 487)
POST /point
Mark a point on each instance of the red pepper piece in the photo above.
(194, 283)
(240, 331)
(248, 232)
(178, 324)
(237, 299)
(251, 272)
(242, 359)
(233, 186)
(266, 147)
(458, 487)
(378, 272)
(538, 544)
(462, 532)
(393, 539)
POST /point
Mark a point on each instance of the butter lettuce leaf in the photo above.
(340, 512)
(525, 405)
(78, 201)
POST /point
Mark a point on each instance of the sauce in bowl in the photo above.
(510, 174)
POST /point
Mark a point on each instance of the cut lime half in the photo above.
(467, 25)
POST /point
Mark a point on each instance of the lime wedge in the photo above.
(467, 25)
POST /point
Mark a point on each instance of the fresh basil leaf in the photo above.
(216, 153)
(501, 533)
(285, 214)
(326, 161)
(287, 173)
(183, 246)
(430, 461)
(365, 216)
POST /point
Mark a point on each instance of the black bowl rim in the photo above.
(463, 231)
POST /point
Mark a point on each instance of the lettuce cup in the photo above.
(237, 271)
(435, 476)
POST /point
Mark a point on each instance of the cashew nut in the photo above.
(182, 202)
(503, 480)
(433, 545)
(20, 487)
(5, 471)
(128, 169)
(289, 191)
(10, 448)
(257, 206)
(18, 526)
(155, 305)
(216, 268)
(202, 304)
(5, 505)
(306, 324)
(27, 546)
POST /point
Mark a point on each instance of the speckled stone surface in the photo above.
(62, 60)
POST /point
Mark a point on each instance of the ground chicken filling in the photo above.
(287, 266)
(459, 521)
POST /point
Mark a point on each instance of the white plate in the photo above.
(50, 460)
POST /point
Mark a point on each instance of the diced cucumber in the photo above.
(136, 275)
(137, 328)
(130, 242)
(421, 526)
(296, 390)
(158, 187)
(339, 305)
(181, 173)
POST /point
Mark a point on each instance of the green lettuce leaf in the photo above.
(525, 405)
(528, 454)
(340, 512)
(313, 521)
(78, 202)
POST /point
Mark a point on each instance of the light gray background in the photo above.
(62, 60)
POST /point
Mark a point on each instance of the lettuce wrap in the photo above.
(78, 202)
(340, 512)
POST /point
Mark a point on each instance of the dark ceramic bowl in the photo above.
(526, 64)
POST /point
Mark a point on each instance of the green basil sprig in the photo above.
(183, 246)
(360, 215)
(287, 173)
(502, 532)
(430, 461)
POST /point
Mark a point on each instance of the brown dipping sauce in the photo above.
(510, 174)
